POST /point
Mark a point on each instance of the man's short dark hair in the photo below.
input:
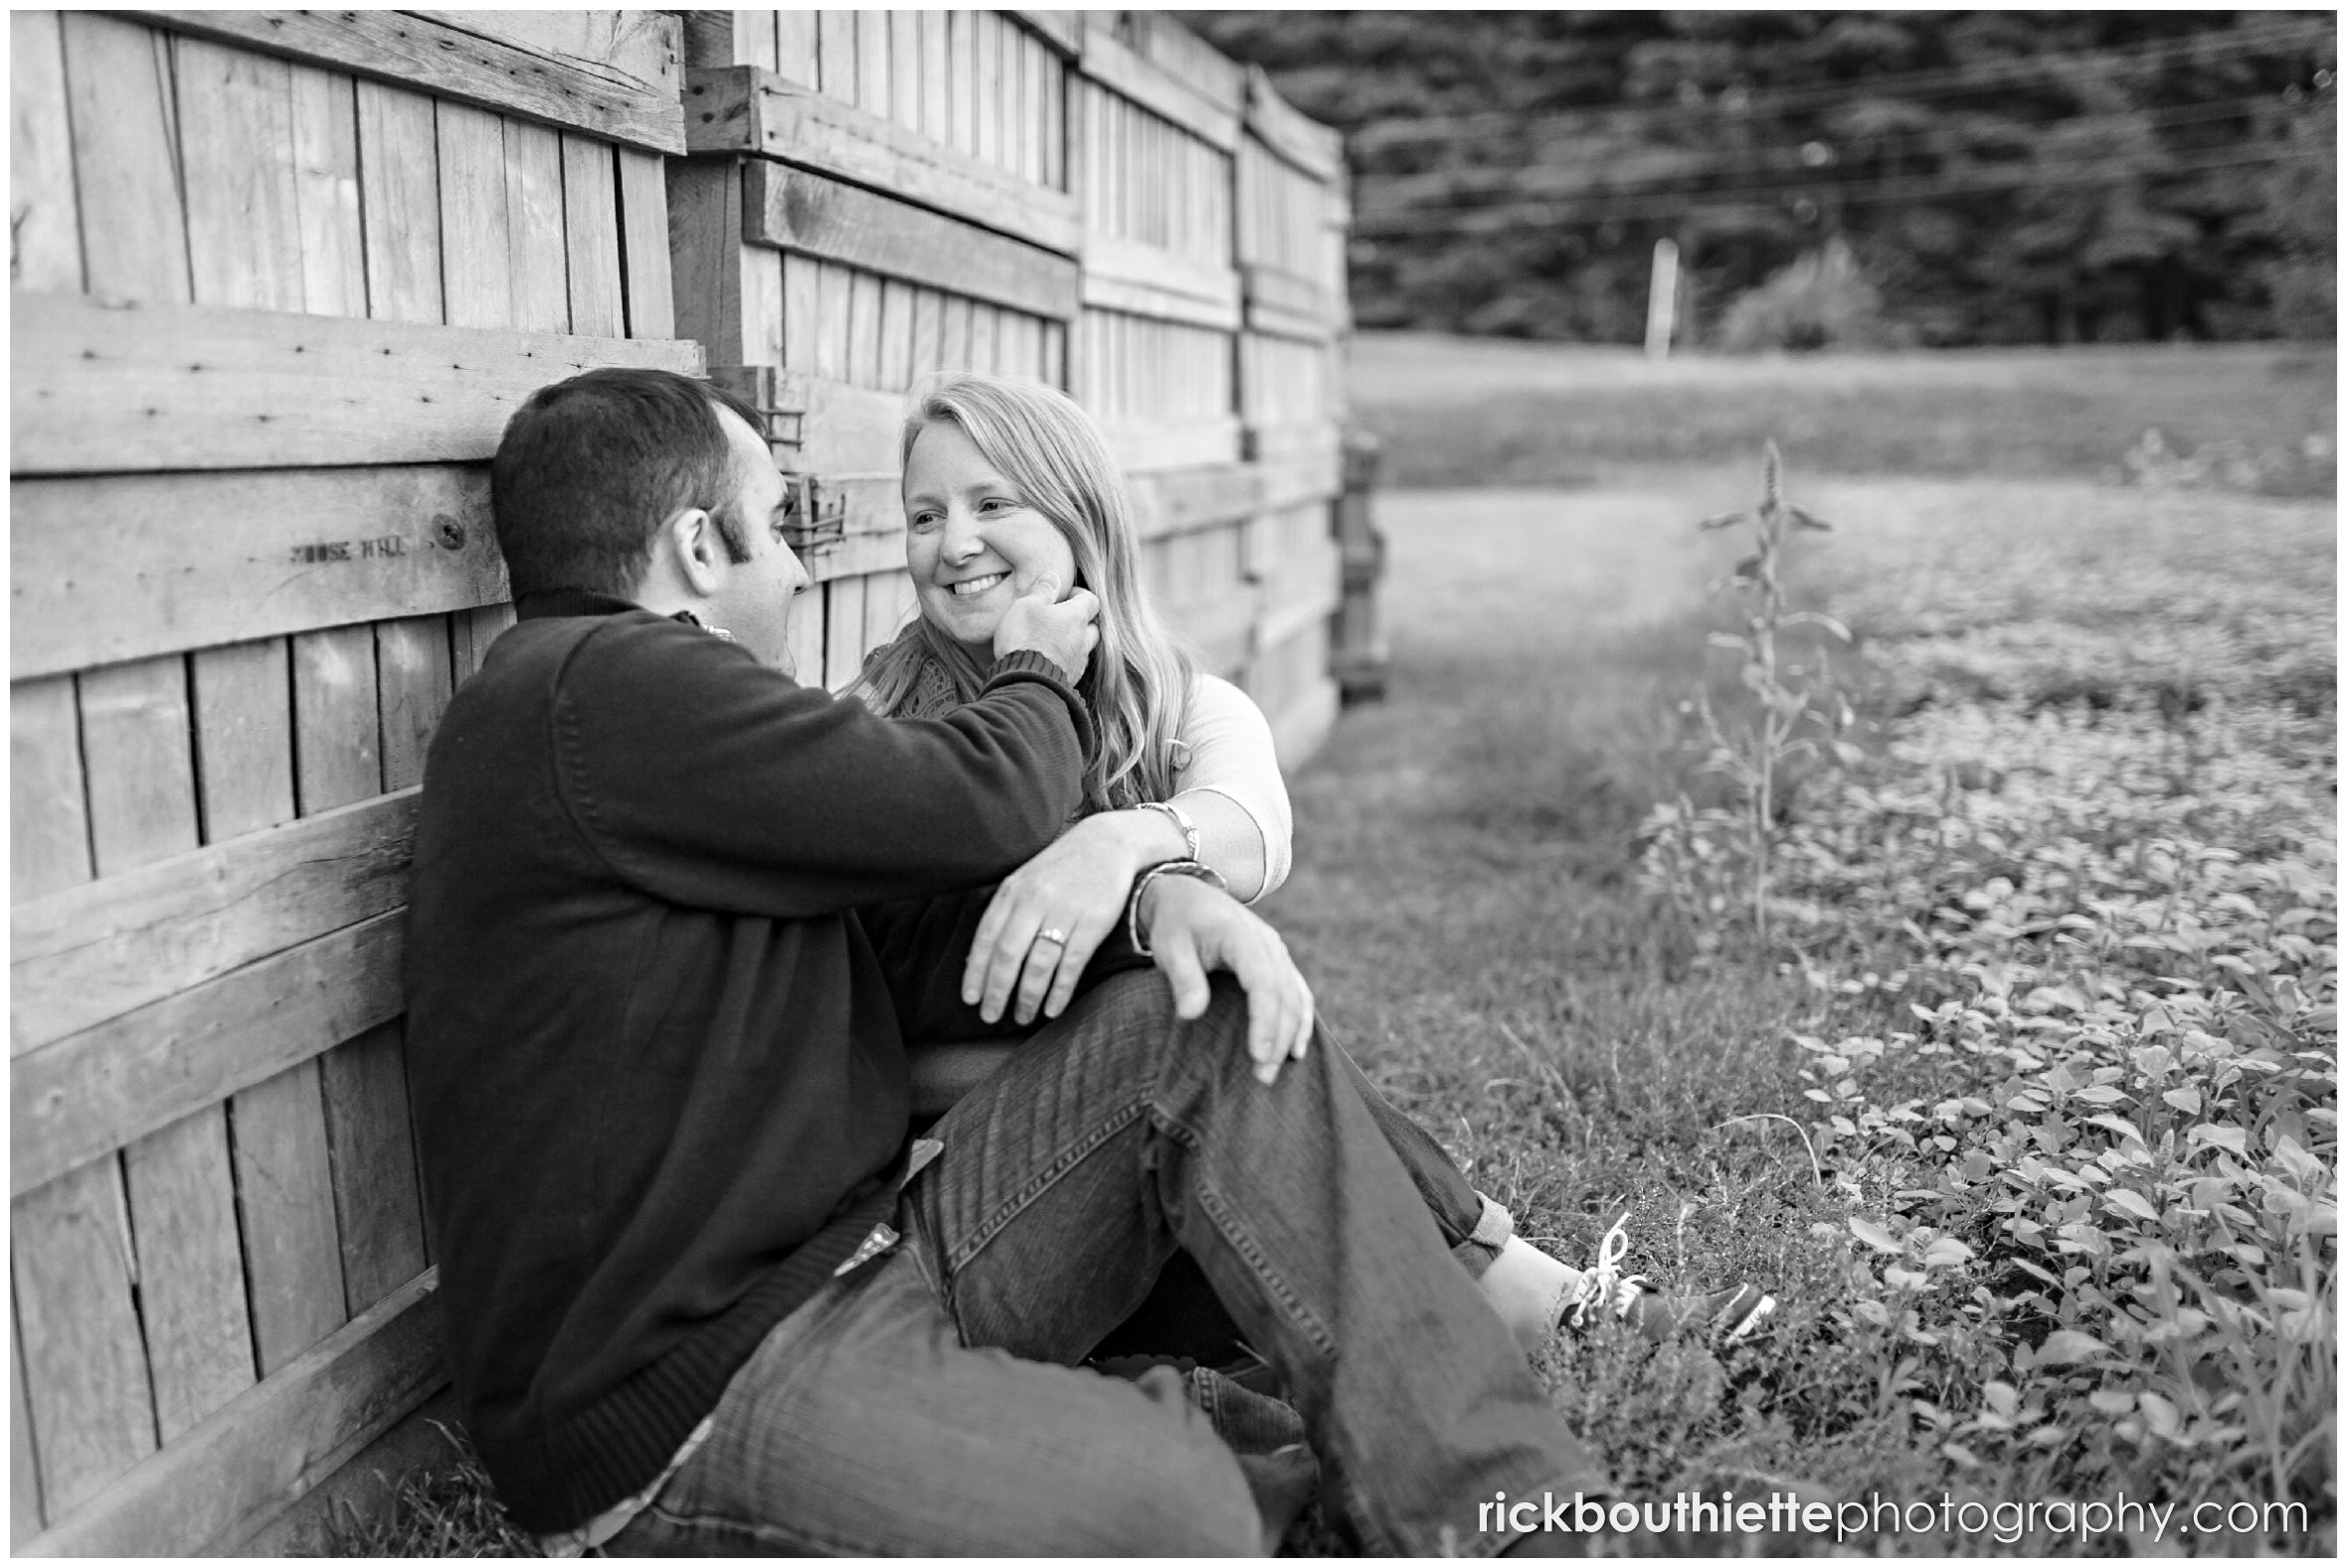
(590, 467)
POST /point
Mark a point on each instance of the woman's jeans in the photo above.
(928, 1402)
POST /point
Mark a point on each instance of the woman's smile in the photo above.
(972, 586)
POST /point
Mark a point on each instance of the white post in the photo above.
(1662, 299)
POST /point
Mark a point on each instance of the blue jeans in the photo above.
(930, 1402)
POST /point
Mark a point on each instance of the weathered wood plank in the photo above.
(843, 627)
(961, 79)
(85, 953)
(536, 250)
(743, 110)
(190, 1275)
(1062, 30)
(86, 1375)
(24, 1473)
(1121, 71)
(1131, 300)
(644, 245)
(378, 1204)
(48, 815)
(1312, 148)
(399, 177)
(337, 743)
(140, 767)
(477, 275)
(406, 49)
(1140, 265)
(704, 202)
(120, 567)
(413, 678)
(327, 191)
(286, 1195)
(237, 150)
(45, 223)
(832, 290)
(244, 738)
(835, 73)
(230, 1474)
(1142, 445)
(101, 1088)
(591, 231)
(101, 389)
(864, 329)
(642, 48)
(873, 86)
(1179, 501)
(125, 159)
(896, 335)
(797, 211)
(935, 95)
(795, 47)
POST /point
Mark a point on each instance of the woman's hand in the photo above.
(1075, 891)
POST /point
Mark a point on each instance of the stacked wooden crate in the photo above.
(277, 281)
(279, 277)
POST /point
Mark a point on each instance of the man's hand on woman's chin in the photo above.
(1192, 929)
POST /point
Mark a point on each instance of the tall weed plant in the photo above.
(2071, 1061)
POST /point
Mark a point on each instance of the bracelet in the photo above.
(1165, 868)
(1190, 829)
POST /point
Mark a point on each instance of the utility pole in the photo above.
(1662, 299)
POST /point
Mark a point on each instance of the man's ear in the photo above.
(690, 541)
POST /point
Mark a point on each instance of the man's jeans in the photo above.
(930, 1403)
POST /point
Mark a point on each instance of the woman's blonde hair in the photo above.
(1138, 683)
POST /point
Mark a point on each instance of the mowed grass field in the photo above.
(2085, 879)
(2048, 1037)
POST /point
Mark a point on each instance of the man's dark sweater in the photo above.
(659, 1076)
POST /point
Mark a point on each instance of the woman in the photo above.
(1008, 481)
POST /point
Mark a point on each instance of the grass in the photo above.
(1477, 910)
(1498, 413)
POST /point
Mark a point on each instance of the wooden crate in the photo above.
(279, 278)
(873, 196)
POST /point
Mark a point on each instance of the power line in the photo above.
(1479, 220)
(1946, 79)
(1395, 192)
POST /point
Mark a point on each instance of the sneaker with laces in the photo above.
(1723, 1317)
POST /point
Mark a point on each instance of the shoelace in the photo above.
(1604, 1285)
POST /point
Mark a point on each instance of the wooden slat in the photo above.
(1124, 72)
(1294, 481)
(285, 1197)
(961, 70)
(118, 566)
(94, 1416)
(87, 953)
(327, 191)
(1312, 147)
(644, 47)
(936, 97)
(100, 389)
(24, 1473)
(864, 329)
(377, 1200)
(1168, 443)
(450, 62)
(337, 737)
(44, 220)
(896, 335)
(475, 267)
(844, 623)
(591, 229)
(120, 1079)
(1137, 266)
(1063, 31)
(1103, 292)
(237, 151)
(928, 328)
(191, 1277)
(244, 738)
(237, 1470)
(904, 69)
(1165, 43)
(141, 771)
(536, 250)
(834, 60)
(48, 820)
(844, 429)
(743, 110)
(871, 61)
(1179, 501)
(644, 241)
(795, 47)
(986, 62)
(412, 680)
(704, 205)
(832, 339)
(125, 159)
(805, 213)
(399, 178)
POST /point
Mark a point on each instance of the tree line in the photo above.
(1973, 177)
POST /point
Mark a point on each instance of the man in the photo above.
(672, 916)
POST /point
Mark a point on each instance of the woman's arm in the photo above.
(1232, 788)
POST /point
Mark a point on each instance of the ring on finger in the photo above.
(1052, 935)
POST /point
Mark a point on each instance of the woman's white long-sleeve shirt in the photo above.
(1230, 754)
